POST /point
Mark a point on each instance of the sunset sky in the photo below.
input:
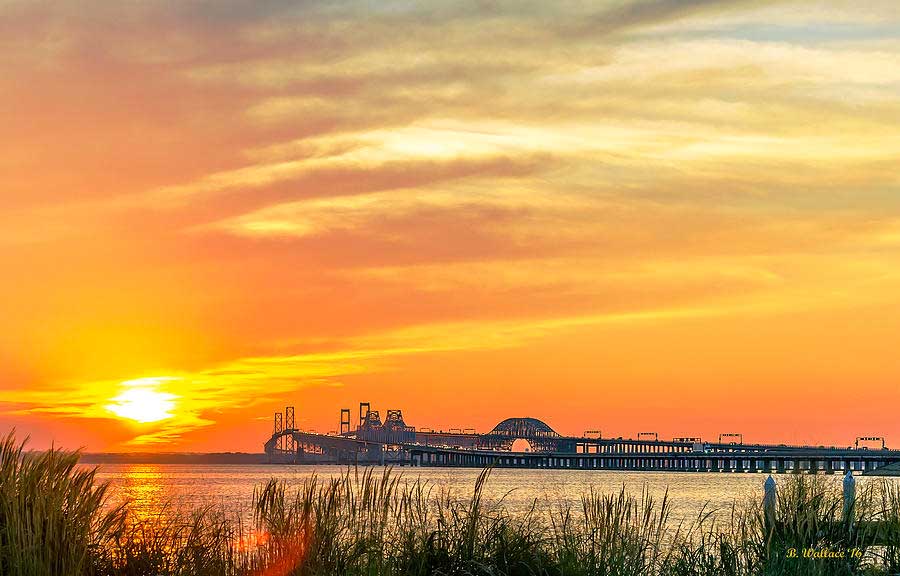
(671, 215)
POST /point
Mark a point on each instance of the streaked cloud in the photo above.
(248, 201)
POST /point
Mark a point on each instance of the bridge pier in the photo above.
(671, 462)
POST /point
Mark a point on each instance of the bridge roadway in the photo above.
(396, 443)
(659, 457)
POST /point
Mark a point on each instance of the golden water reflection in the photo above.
(164, 489)
(142, 486)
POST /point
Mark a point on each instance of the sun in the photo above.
(142, 401)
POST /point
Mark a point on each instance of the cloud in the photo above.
(271, 196)
(641, 13)
(192, 398)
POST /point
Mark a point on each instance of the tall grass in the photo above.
(612, 534)
(54, 519)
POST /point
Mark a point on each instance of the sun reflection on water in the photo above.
(142, 485)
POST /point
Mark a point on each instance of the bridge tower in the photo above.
(278, 423)
(345, 421)
(394, 416)
(289, 425)
(364, 409)
(279, 428)
(289, 418)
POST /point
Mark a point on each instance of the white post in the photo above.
(769, 501)
(849, 497)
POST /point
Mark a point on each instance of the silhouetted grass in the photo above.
(54, 519)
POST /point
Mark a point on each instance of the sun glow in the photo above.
(142, 401)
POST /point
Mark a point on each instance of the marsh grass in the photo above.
(55, 519)
(52, 514)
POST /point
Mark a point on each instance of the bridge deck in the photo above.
(597, 454)
(873, 462)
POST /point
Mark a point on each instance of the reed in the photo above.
(52, 514)
(55, 519)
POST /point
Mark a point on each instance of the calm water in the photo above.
(152, 487)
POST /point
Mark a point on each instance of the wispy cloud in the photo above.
(265, 379)
(258, 198)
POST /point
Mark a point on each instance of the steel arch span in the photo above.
(539, 435)
(524, 428)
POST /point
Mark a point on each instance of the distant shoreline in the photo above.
(173, 458)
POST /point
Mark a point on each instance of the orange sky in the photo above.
(627, 216)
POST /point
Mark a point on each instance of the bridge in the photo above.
(392, 441)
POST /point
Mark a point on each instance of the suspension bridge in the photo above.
(391, 441)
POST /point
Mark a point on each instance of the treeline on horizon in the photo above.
(55, 519)
(173, 458)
